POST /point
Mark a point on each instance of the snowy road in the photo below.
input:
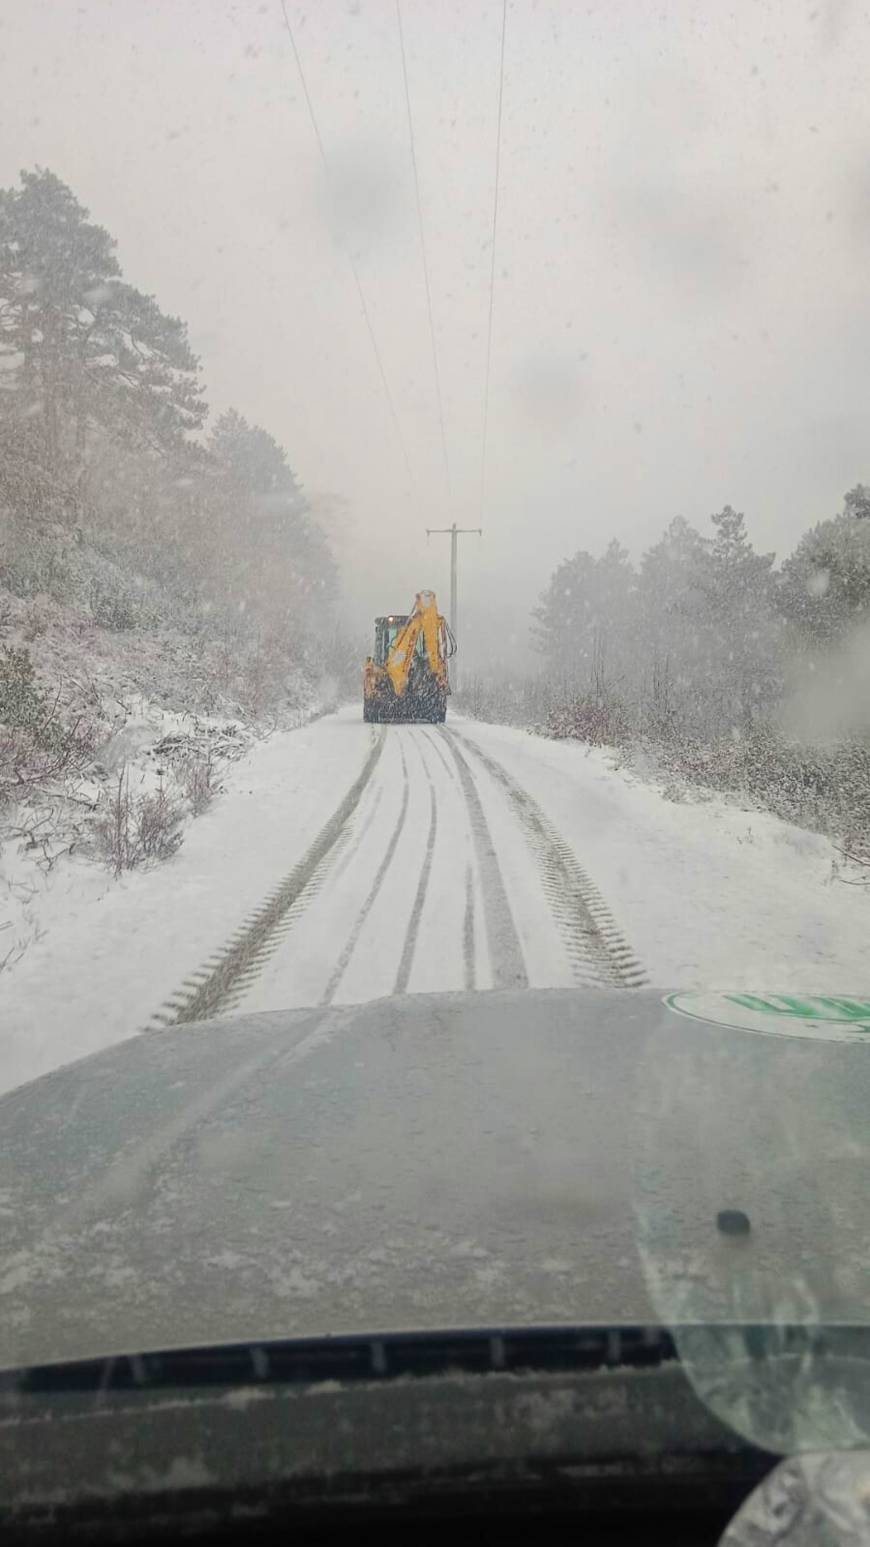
(345, 862)
(437, 871)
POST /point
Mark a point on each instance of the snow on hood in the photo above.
(432, 1161)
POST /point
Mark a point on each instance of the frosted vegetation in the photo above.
(148, 554)
(708, 662)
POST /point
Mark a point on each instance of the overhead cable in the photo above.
(484, 438)
(361, 293)
(412, 140)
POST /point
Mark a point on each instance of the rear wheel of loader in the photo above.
(369, 712)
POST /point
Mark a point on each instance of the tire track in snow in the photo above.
(436, 740)
(505, 952)
(353, 835)
(599, 954)
(220, 982)
(409, 947)
(380, 875)
(469, 965)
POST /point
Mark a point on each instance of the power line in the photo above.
(435, 369)
(492, 263)
(361, 293)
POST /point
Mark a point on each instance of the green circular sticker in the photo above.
(820, 1017)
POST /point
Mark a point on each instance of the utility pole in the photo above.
(455, 532)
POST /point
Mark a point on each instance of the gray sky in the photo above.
(682, 299)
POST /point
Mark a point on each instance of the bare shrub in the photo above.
(45, 830)
(196, 758)
(113, 827)
(854, 852)
(157, 826)
(138, 830)
(196, 778)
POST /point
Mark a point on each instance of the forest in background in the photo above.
(117, 493)
(707, 662)
(149, 555)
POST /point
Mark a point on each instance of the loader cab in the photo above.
(387, 631)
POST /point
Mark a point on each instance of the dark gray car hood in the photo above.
(434, 1161)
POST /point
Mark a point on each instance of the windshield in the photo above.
(346, 986)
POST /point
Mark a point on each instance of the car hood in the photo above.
(439, 1161)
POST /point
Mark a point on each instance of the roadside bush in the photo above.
(22, 705)
(35, 562)
(138, 830)
(196, 779)
(116, 610)
(597, 724)
(823, 787)
(36, 743)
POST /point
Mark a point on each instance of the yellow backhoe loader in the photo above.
(406, 678)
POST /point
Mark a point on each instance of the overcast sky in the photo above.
(682, 296)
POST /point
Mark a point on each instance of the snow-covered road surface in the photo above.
(345, 862)
(430, 875)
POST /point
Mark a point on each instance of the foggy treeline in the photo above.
(118, 495)
(704, 634)
(725, 666)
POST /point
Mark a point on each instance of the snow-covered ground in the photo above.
(709, 894)
(478, 856)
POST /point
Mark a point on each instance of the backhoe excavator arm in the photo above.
(424, 619)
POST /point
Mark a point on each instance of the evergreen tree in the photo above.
(273, 555)
(672, 681)
(738, 628)
(583, 621)
(84, 357)
(824, 588)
